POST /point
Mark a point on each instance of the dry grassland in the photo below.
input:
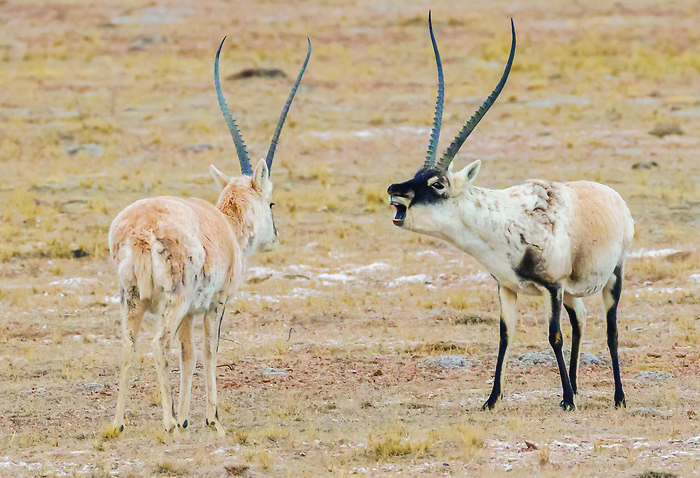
(330, 363)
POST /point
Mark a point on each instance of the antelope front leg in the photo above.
(577, 316)
(557, 342)
(508, 302)
(211, 341)
(187, 364)
(131, 323)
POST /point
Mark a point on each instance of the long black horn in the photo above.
(457, 143)
(243, 158)
(437, 121)
(283, 115)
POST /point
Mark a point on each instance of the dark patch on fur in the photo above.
(529, 268)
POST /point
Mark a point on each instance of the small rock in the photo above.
(679, 256)
(530, 446)
(33, 390)
(649, 412)
(665, 129)
(236, 470)
(447, 362)
(587, 358)
(645, 165)
(654, 376)
(378, 373)
(141, 42)
(78, 253)
(199, 147)
(296, 276)
(536, 358)
(259, 279)
(257, 73)
(272, 371)
(546, 357)
(93, 386)
(656, 474)
(90, 148)
(65, 135)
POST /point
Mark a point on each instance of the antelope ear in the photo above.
(220, 178)
(261, 175)
(466, 176)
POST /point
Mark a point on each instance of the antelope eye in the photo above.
(271, 204)
(438, 186)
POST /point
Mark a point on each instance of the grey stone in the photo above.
(272, 371)
(649, 412)
(587, 358)
(33, 390)
(654, 376)
(665, 129)
(90, 148)
(93, 386)
(448, 362)
(536, 358)
(199, 147)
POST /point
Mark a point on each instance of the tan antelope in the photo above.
(182, 259)
(568, 239)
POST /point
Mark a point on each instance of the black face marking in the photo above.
(428, 186)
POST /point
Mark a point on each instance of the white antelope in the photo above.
(568, 239)
(183, 259)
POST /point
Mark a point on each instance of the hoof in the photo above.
(568, 406)
(216, 426)
(118, 426)
(620, 403)
(171, 428)
(489, 405)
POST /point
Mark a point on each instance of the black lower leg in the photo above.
(612, 338)
(557, 342)
(496, 392)
(575, 344)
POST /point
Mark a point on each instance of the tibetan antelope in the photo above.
(183, 259)
(567, 239)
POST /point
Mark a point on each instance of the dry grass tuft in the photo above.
(441, 347)
(656, 474)
(236, 470)
(166, 467)
(396, 441)
(107, 434)
(469, 439)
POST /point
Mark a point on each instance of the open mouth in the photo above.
(401, 208)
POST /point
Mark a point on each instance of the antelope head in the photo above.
(247, 200)
(427, 202)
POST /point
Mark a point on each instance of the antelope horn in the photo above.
(437, 120)
(246, 168)
(457, 143)
(283, 115)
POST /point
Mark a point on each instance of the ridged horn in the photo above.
(283, 115)
(437, 120)
(243, 158)
(457, 143)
